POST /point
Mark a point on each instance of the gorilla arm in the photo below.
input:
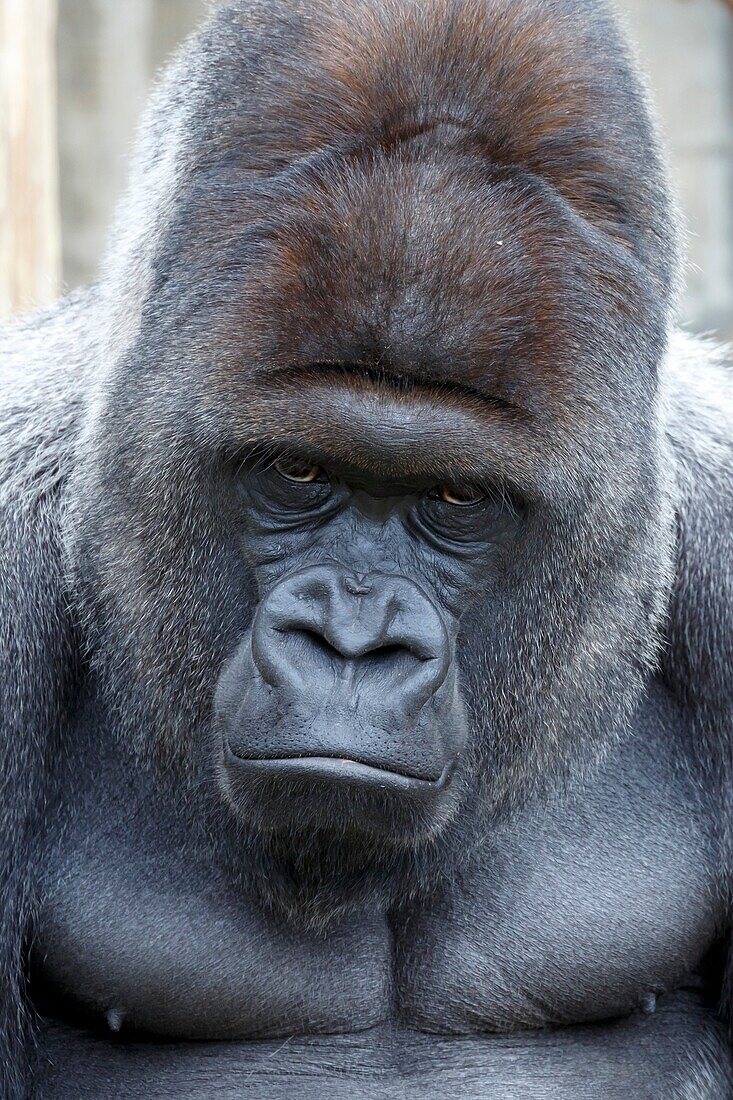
(37, 429)
(698, 662)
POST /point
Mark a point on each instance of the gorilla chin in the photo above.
(341, 709)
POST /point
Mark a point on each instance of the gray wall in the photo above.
(110, 50)
(109, 54)
(686, 47)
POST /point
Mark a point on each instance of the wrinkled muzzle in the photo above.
(344, 681)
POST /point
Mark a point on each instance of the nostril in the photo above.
(392, 660)
(387, 653)
(344, 649)
(315, 641)
(392, 650)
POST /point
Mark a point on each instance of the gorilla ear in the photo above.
(36, 662)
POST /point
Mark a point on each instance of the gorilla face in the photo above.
(372, 529)
(343, 703)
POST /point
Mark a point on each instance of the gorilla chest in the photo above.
(569, 916)
(583, 908)
(169, 948)
(586, 907)
(562, 928)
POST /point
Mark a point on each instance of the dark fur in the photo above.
(266, 231)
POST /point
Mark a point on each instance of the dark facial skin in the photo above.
(343, 703)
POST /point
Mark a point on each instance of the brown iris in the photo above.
(297, 469)
(461, 496)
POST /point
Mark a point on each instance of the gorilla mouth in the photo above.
(339, 769)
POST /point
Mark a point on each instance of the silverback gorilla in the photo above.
(366, 588)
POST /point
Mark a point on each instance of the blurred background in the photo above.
(101, 57)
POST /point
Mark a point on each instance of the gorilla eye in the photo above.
(461, 496)
(295, 469)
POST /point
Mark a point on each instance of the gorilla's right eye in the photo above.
(295, 469)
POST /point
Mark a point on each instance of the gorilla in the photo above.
(366, 591)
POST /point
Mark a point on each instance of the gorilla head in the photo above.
(369, 517)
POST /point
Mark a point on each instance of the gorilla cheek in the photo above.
(342, 707)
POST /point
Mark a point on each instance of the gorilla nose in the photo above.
(353, 628)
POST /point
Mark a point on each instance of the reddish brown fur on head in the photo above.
(541, 86)
(424, 263)
(451, 190)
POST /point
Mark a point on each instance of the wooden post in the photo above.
(30, 233)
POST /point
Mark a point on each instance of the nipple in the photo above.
(115, 1019)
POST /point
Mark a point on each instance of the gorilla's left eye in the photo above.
(461, 496)
(296, 469)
